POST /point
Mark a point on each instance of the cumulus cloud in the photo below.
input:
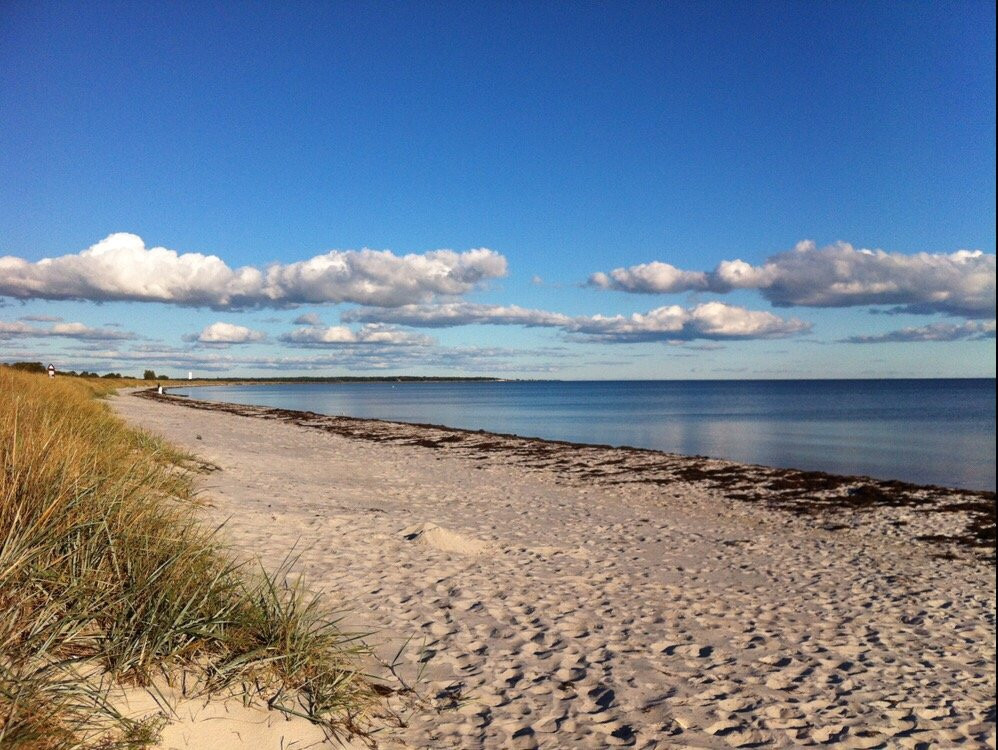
(308, 319)
(960, 283)
(340, 335)
(121, 267)
(80, 331)
(226, 333)
(655, 277)
(973, 330)
(711, 320)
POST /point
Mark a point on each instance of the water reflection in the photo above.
(932, 432)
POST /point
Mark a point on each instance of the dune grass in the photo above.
(107, 579)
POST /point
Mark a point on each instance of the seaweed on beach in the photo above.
(816, 493)
(801, 493)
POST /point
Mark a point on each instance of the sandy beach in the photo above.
(565, 596)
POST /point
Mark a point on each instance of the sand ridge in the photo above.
(599, 613)
(444, 540)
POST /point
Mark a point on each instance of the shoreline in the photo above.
(564, 596)
(797, 491)
(877, 433)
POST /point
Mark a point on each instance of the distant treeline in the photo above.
(356, 379)
(38, 367)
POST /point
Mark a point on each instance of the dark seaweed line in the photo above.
(803, 493)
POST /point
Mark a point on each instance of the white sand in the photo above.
(202, 724)
(568, 611)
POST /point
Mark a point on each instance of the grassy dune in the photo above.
(107, 579)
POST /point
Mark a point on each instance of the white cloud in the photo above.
(371, 277)
(80, 331)
(657, 277)
(449, 314)
(349, 358)
(226, 333)
(972, 329)
(712, 320)
(339, 335)
(44, 318)
(308, 319)
(120, 267)
(737, 274)
(959, 283)
(17, 328)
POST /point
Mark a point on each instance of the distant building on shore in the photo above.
(190, 375)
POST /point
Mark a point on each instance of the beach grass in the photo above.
(107, 579)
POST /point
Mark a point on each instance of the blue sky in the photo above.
(569, 140)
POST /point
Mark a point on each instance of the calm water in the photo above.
(925, 431)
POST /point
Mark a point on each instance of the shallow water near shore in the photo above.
(923, 431)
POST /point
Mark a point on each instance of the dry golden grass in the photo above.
(106, 578)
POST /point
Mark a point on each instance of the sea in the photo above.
(927, 431)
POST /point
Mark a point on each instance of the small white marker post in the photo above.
(51, 371)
